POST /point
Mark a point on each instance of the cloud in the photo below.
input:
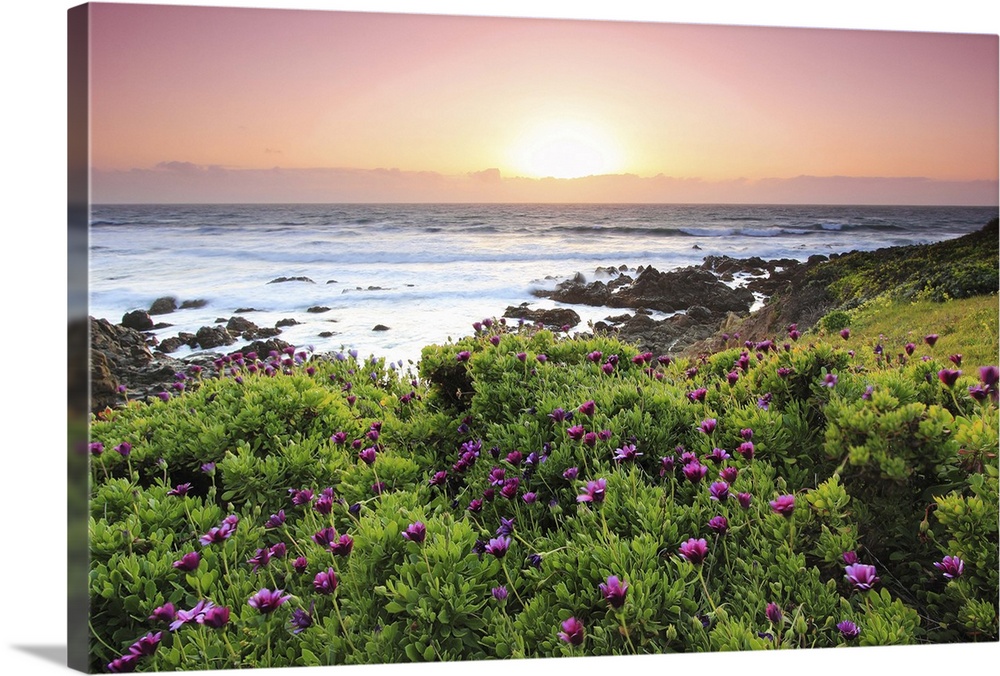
(177, 181)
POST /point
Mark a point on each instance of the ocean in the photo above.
(429, 271)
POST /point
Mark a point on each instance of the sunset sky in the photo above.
(193, 104)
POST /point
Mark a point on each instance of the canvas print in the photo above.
(436, 338)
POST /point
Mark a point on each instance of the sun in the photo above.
(566, 150)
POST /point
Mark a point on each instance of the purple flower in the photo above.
(909, 347)
(124, 449)
(773, 613)
(862, 576)
(575, 432)
(378, 488)
(215, 618)
(744, 500)
(845, 333)
(951, 567)
(300, 497)
(590, 439)
(848, 630)
(746, 449)
(626, 452)
(614, 591)
(746, 434)
(718, 455)
(708, 425)
(694, 551)
(222, 532)
(506, 526)
(194, 615)
(499, 593)
(497, 476)
(559, 415)
(463, 355)
(279, 550)
(784, 371)
(96, 448)
(607, 368)
(930, 339)
(542, 358)
(324, 505)
(325, 581)
(509, 489)
(595, 356)
(267, 601)
(594, 492)
(765, 401)
(343, 546)
(719, 491)
(948, 376)
(729, 474)
(732, 377)
(604, 435)
(180, 490)
(164, 613)
(783, 505)
(515, 457)
(571, 474)
(529, 498)
(572, 631)
(300, 564)
(302, 619)
(146, 645)
(276, 520)
(188, 562)
(368, 456)
(698, 394)
(830, 380)
(867, 394)
(719, 524)
(667, 465)
(694, 471)
(978, 392)
(955, 359)
(587, 408)
(325, 536)
(498, 546)
(415, 532)
(339, 437)
(438, 479)
(989, 375)
(260, 558)
(124, 664)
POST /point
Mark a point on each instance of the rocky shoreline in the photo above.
(701, 301)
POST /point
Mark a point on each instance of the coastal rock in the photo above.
(264, 332)
(286, 322)
(318, 309)
(554, 318)
(280, 280)
(327, 334)
(213, 336)
(168, 345)
(380, 327)
(244, 310)
(194, 304)
(263, 348)
(138, 320)
(161, 325)
(163, 306)
(332, 281)
(240, 325)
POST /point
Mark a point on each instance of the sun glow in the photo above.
(566, 150)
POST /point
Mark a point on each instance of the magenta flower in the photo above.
(694, 471)
(276, 520)
(845, 333)
(978, 392)
(746, 434)
(279, 550)
(515, 457)
(188, 562)
(529, 498)
(571, 474)
(989, 375)
(302, 619)
(559, 415)
(955, 359)
(164, 613)
(267, 601)
(324, 505)
(862, 576)
(124, 449)
(415, 532)
(849, 558)
(575, 432)
(542, 358)
(497, 476)
(951, 567)
(590, 439)
(510, 487)
(325, 581)
(146, 645)
(746, 449)
(694, 551)
(719, 524)
(498, 547)
(463, 355)
(708, 425)
(300, 564)
(325, 536)
(909, 348)
(587, 408)
(300, 497)
(608, 368)
(216, 617)
(194, 615)
(438, 479)
(260, 559)
(930, 339)
(614, 591)
(594, 492)
(572, 631)
(124, 664)
(595, 356)
(773, 613)
(180, 490)
(368, 456)
(626, 452)
(719, 491)
(744, 500)
(718, 455)
(783, 505)
(848, 630)
(698, 394)
(499, 593)
(830, 380)
(948, 376)
(343, 545)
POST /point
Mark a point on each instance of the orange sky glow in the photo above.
(219, 104)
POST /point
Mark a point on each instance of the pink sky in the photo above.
(196, 104)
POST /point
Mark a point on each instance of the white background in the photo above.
(32, 108)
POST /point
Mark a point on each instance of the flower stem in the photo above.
(707, 595)
(343, 628)
(503, 564)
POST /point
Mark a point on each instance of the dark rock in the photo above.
(213, 336)
(137, 320)
(815, 258)
(332, 281)
(377, 288)
(263, 332)
(554, 318)
(279, 280)
(120, 356)
(168, 345)
(618, 319)
(318, 309)
(263, 348)
(699, 313)
(163, 306)
(221, 320)
(161, 325)
(194, 304)
(286, 322)
(380, 327)
(326, 334)
(238, 326)
(243, 310)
